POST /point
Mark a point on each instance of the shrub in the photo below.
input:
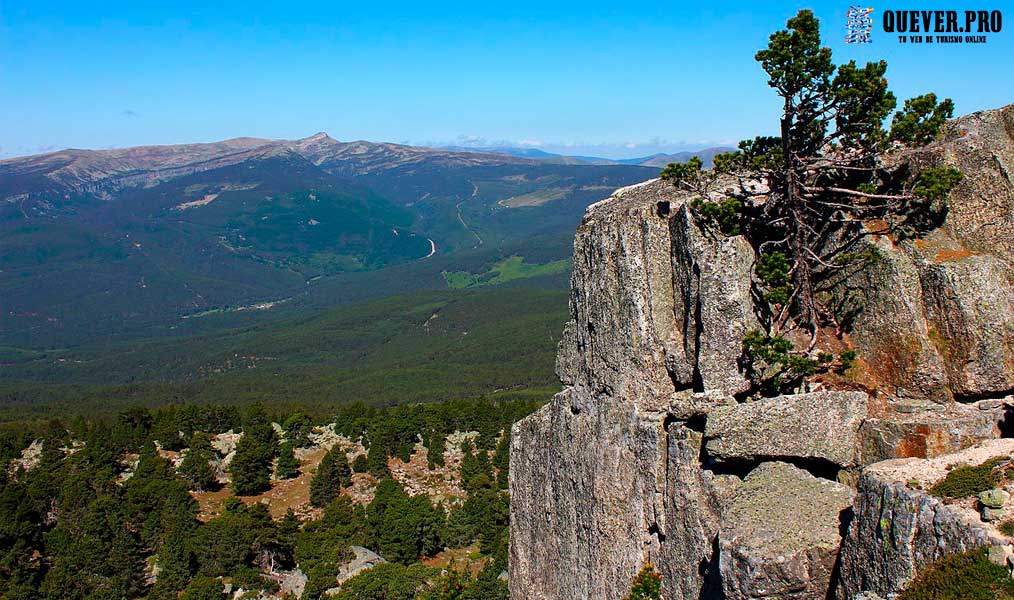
(1007, 528)
(359, 465)
(647, 585)
(771, 364)
(967, 576)
(724, 214)
(965, 481)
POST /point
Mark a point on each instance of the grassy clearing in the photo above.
(536, 198)
(508, 269)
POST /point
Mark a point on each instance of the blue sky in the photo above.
(612, 79)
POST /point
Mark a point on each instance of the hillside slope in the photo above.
(117, 243)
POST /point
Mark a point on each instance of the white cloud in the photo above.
(530, 143)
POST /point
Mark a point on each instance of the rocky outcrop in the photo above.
(650, 453)
(657, 303)
(780, 534)
(934, 317)
(785, 427)
(898, 528)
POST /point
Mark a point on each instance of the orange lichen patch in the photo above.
(924, 442)
(864, 375)
(894, 361)
(284, 494)
(949, 254)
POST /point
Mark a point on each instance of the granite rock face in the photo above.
(897, 529)
(712, 276)
(935, 315)
(657, 303)
(930, 430)
(585, 485)
(650, 454)
(818, 425)
(780, 534)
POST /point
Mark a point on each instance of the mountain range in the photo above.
(107, 245)
(654, 160)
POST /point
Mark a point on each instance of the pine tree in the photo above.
(501, 459)
(287, 466)
(331, 476)
(251, 466)
(647, 585)
(297, 429)
(825, 179)
(196, 467)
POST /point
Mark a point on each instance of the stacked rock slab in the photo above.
(647, 455)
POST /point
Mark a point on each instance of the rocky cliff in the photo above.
(649, 454)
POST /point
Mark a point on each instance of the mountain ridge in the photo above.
(659, 159)
(104, 172)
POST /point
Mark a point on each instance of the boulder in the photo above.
(929, 430)
(994, 498)
(818, 425)
(362, 559)
(780, 534)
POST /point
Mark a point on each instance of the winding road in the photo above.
(475, 192)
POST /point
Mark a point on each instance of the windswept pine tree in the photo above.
(809, 196)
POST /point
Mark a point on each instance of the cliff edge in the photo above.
(651, 453)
